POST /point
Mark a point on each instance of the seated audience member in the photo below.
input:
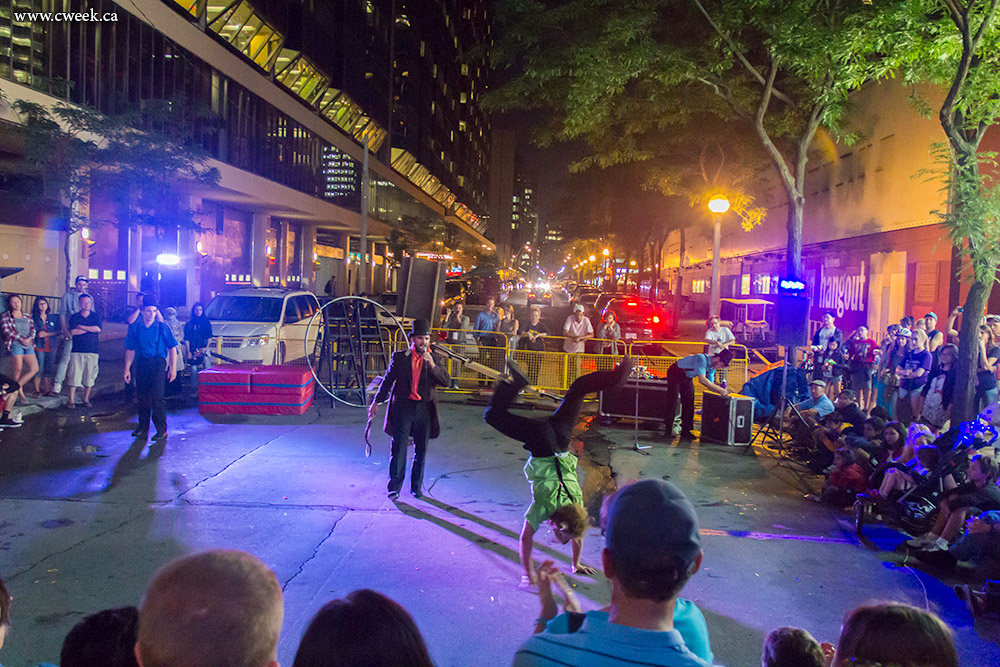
(846, 481)
(984, 602)
(365, 629)
(980, 544)
(894, 634)
(812, 409)
(104, 639)
(652, 548)
(898, 480)
(979, 493)
(870, 445)
(9, 391)
(846, 406)
(791, 647)
(881, 413)
(218, 607)
(826, 439)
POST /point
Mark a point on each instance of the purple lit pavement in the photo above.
(86, 518)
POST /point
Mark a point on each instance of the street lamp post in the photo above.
(717, 205)
(607, 262)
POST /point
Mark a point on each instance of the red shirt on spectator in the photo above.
(851, 478)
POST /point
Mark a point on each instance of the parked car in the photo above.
(454, 291)
(587, 297)
(262, 325)
(639, 318)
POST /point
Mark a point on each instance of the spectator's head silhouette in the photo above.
(104, 639)
(220, 608)
(895, 634)
(791, 647)
(365, 629)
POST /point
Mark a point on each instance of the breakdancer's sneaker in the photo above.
(517, 376)
(623, 370)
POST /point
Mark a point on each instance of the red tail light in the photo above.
(656, 319)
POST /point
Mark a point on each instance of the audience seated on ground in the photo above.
(217, 608)
(899, 480)
(846, 481)
(652, 548)
(791, 647)
(980, 546)
(894, 634)
(365, 629)
(979, 493)
(853, 417)
(104, 639)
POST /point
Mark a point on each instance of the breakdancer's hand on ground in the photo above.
(583, 569)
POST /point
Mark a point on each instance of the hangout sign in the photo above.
(843, 292)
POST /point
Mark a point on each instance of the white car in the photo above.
(262, 325)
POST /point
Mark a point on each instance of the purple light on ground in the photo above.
(771, 536)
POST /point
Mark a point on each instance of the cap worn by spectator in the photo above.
(578, 308)
(818, 383)
(904, 332)
(80, 278)
(649, 518)
(931, 314)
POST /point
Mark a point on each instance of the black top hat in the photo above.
(420, 328)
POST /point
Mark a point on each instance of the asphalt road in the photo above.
(87, 516)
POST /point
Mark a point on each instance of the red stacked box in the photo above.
(255, 390)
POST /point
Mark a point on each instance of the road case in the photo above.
(726, 419)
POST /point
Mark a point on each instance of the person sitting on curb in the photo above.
(556, 496)
(9, 390)
(979, 494)
(652, 548)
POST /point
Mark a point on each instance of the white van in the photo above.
(262, 325)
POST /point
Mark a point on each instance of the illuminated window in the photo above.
(190, 6)
(462, 98)
(465, 69)
(745, 284)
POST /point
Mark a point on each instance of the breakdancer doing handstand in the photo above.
(551, 469)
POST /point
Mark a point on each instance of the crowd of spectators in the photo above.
(225, 607)
(878, 426)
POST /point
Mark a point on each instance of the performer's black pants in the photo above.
(545, 437)
(415, 422)
(150, 382)
(679, 383)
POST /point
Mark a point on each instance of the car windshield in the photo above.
(238, 308)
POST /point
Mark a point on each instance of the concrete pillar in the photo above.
(258, 241)
(281, 253)
(307, 247)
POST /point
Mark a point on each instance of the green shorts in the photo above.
(547, 494)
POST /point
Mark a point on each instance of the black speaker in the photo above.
(792, 320)
(421, 288)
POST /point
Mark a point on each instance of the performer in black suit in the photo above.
(411, 384)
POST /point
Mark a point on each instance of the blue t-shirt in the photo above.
(599, 643)
(694, 365)
(688, 621)
(487, 321)
(822, 406)
(149, 342)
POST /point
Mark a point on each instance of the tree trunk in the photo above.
(963, 407)
(679, 286)
(793, 260)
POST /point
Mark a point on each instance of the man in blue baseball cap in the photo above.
(652, 548)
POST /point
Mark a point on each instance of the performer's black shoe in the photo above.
(140, 433)
(517, 376)
(417, 493)
(623, 370)
(158, 436)
(393, 495)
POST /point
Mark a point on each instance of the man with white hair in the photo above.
(218, 608)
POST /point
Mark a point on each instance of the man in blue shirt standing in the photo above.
(152, 349)
(680, 380)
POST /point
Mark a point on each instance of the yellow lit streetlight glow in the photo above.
(605, 252)
(632, 263)
(718, 204)
(592, 258)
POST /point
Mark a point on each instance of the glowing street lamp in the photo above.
(718, 205)
(592, 258)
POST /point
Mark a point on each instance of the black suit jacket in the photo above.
(396, 387)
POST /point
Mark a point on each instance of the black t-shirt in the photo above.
(852, 415)
(986, 380)
(85, 342)
(525, 343)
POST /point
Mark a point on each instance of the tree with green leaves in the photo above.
(620, 73)
(961, 53)
(61, 145)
